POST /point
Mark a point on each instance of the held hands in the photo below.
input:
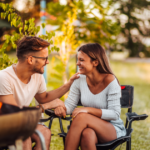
(60, 103)
(60, 111)
(79, 110)
(54, 104)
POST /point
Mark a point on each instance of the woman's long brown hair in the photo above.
(96, 52)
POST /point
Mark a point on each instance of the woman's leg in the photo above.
(88, 139)
(104, 130)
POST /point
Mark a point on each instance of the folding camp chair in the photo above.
(126, 102)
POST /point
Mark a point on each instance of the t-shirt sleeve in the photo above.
(42, 85)
(73, 97)
(113, 103)
(5, 85)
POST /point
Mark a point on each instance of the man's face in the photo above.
(39, 64)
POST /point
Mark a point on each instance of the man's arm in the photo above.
(52, 95)
(9, 99)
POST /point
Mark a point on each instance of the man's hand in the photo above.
(60, 111)
(54, 104)
(75, 76)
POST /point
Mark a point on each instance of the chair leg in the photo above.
(128, 145)
(64, 140)
(42, 140)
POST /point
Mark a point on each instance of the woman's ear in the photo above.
(95, 62)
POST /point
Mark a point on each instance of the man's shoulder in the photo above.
(5, 73)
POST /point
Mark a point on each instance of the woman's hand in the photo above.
(79, 110)
(60, 111)
(75, 76)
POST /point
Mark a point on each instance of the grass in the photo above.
(136, 74)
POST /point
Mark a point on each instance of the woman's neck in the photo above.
(95, 77)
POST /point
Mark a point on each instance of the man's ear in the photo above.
(95, 62)
(30, 60)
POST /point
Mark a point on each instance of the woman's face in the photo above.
(84, 63)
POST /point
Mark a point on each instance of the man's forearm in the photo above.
(52, 95)
(54, 104)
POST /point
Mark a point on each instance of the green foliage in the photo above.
(134, 20)
(66, 41)
(26, 27)
(93, 22)
(75, 26)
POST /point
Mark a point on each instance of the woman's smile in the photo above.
(80, 68)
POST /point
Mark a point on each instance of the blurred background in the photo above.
(122, 27)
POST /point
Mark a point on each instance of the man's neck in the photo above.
(23, 72)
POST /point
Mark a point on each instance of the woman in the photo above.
(99, 91)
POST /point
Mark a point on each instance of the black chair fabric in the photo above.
(127, 96)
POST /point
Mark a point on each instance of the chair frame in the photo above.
(126, 102)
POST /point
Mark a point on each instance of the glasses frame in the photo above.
(46, 58)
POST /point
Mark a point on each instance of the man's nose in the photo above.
(47, 62)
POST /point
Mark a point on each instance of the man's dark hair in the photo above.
(29, 44)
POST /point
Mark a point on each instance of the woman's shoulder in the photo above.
(111, 82)
(108, 79)
(80, 80)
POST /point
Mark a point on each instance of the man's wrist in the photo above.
(45, 106)
(42, 107)
(70, 82)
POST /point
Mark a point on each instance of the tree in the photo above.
(93, 23)
(133, 17)
(31, 9)
(75, 26)
(26, 27)
(66, 41)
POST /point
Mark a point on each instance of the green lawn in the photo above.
(138, 75)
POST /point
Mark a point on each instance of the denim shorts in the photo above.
(119, 126)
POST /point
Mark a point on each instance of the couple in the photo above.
(97, 87)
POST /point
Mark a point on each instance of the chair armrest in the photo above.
(50, 113)
(133, 116)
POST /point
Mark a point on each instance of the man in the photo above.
(21, 82)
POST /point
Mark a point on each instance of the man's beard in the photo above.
(38, 70)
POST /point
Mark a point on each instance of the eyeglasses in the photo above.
(46, 58)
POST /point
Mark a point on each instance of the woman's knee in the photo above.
(80, 117)
(88, 135)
